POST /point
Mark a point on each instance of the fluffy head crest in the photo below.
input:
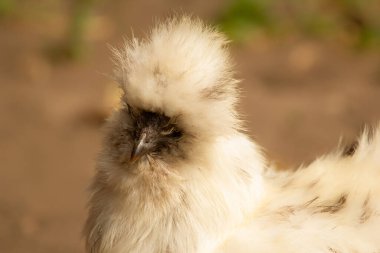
(181, 70)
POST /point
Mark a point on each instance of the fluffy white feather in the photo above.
(332, 205)
(208, 190)
(190, 197)
(175, 68)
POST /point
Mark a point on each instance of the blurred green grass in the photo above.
(355, 22)
(77, 14)
(6, 6)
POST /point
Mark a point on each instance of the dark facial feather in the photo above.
(162, 134)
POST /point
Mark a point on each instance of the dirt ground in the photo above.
(299, 97)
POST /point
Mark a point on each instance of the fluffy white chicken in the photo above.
(178, 174)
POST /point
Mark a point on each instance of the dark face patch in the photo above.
(159, 135)
(162, 133)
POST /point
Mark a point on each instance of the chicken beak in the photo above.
(140, 148)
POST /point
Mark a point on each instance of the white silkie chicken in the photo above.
(177, 174)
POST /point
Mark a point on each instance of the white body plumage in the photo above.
(332, 205)
(189, 197)
(206, 188)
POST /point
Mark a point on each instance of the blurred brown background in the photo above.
(310, 74)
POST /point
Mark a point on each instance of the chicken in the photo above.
(331, 206)
(178, 174)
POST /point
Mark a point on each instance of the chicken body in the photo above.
(178, 174)
(332, 205)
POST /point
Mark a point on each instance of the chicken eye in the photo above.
(168, 130)
(171, 132)
(176, 134)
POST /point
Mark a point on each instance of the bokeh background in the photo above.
(310, 74)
